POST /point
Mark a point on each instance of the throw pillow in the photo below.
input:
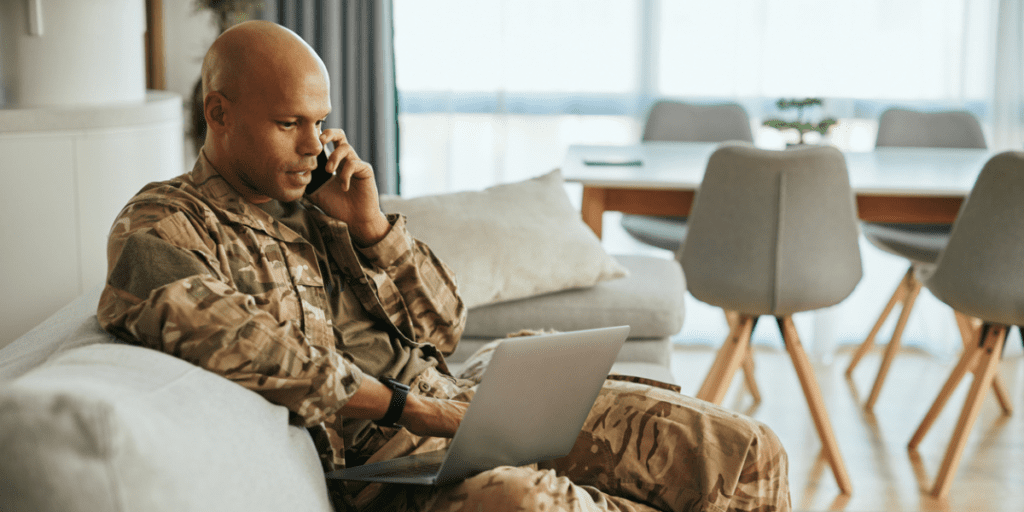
(509, 241)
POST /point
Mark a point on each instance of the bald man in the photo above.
(322, 304)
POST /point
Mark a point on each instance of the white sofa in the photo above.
(88, 423)
(91, 424)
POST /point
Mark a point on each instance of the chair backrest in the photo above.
(683, 122)
(981, 271)
(773, 232)
(910, 128)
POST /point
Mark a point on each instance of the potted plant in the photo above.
(800, 125)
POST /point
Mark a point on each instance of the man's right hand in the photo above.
(433, 417)
(423, 416)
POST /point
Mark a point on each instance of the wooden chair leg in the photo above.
(894, 343)
(748, 375)
(732, 318)
(1002, 395)
(970, 328)
(815, 402)
(727, 361)
(712, 378)
(964, 365)
(869, 342)
(989, 353)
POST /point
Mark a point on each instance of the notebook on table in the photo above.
(530, 406)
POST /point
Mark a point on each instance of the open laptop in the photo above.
(529, 407)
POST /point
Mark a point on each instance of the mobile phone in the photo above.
(319, 176)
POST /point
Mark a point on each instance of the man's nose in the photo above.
(310, 142)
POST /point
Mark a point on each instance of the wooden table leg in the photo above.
(593, 207)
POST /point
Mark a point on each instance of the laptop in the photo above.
(529, 407)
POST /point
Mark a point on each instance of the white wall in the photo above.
(187, 35)
(91, 168)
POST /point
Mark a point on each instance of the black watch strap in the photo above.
(399, 392)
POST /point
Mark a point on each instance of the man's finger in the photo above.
(342, 153)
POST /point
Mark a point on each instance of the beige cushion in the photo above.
(650, 301)
(509, 241)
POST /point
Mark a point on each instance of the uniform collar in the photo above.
(232, 205)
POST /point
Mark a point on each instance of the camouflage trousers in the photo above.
(643, 447)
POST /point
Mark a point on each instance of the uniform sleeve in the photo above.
(416, 289)
(168, 289)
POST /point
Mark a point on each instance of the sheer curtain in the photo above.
(1008, 83)
(493, 90)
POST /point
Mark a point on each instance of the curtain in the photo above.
(355, 40)
(493, 90)
(1007, 103)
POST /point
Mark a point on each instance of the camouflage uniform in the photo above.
(198, 272)
(643, 447)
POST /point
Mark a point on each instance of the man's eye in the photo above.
(287, 124)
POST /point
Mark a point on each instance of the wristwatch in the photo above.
(398, 393)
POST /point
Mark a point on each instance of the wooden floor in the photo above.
(886, 477)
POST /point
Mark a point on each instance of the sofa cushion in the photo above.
(509, 241)
(650, 301)
(118, 427)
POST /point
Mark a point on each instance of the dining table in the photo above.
(891, 184)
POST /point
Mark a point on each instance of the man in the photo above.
(321, 303)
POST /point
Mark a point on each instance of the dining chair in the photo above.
(979, 275)
(675, 121)
(773, 233)
(918, 243)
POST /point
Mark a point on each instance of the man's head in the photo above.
(265, 93)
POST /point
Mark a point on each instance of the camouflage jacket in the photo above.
(196, 271)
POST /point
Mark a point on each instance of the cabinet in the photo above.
(66, 172)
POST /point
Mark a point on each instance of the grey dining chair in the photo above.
(918, 243)
(676, 121)
(979, 275)
(773, 233)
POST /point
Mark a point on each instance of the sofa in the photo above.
(89, 423)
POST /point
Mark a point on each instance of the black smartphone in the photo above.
(319, 176)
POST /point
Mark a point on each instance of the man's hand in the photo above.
(423, 416)
(351, 195)
(434, 417)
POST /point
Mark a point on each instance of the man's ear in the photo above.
(215, 108)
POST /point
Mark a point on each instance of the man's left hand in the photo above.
(351, 195)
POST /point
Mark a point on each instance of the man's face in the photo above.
(273, 139)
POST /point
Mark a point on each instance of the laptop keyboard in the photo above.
(413, 465)
(419, 469)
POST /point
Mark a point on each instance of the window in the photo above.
(495, 90)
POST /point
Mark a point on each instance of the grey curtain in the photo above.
(354, 39)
